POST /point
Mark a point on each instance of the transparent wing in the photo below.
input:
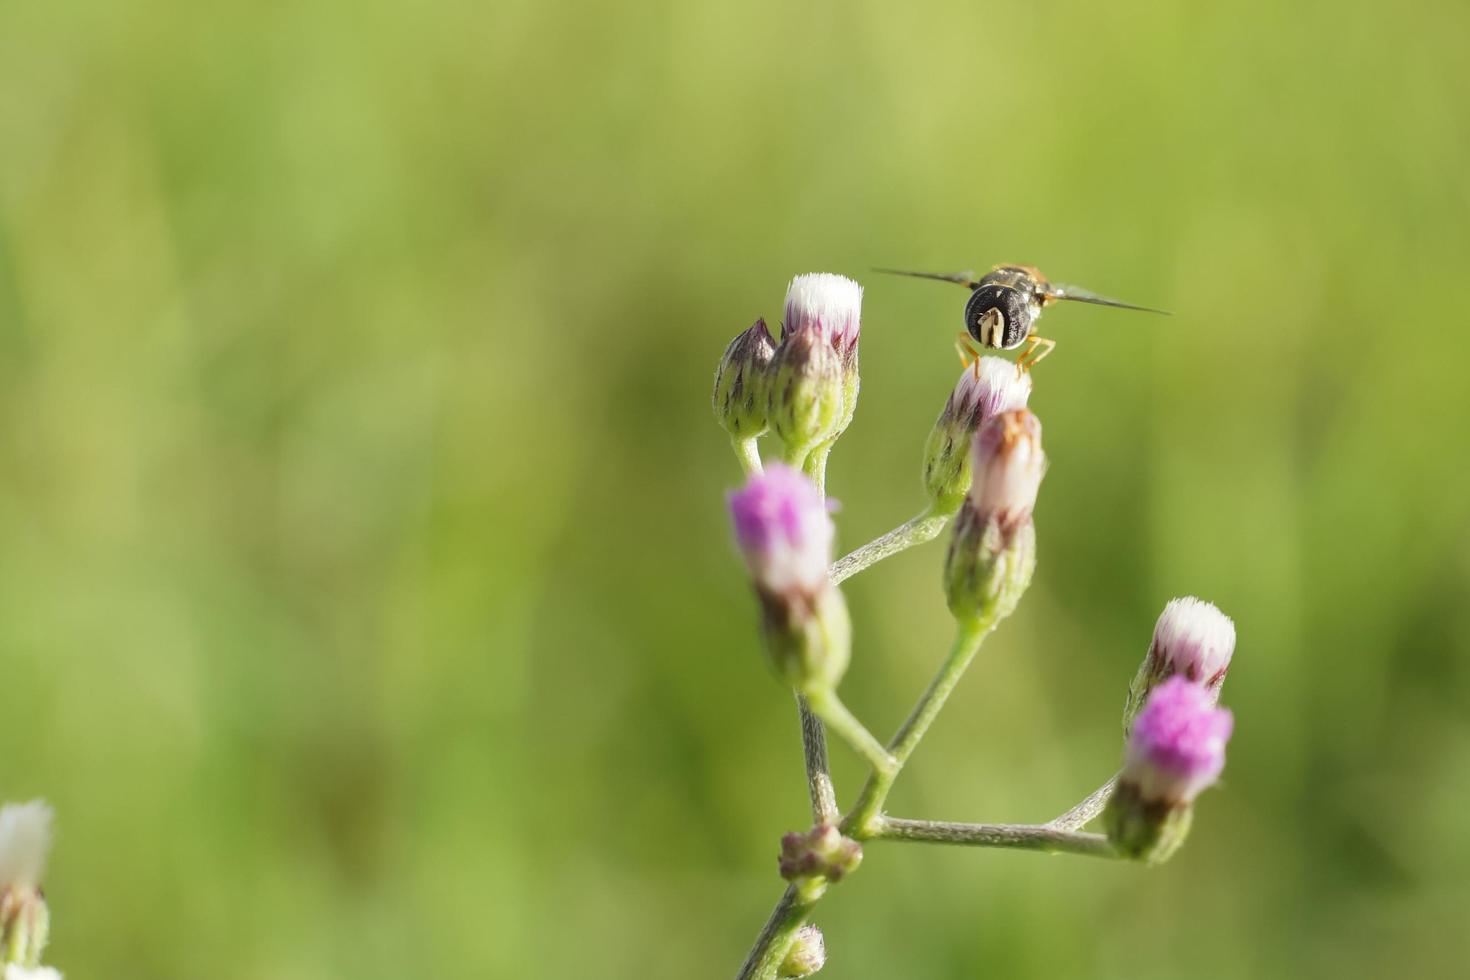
(1077, 294)
(966, 278)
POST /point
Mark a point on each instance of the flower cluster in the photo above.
(803, 389)
(1176, 735)
(820, 852)
(983, 465)
(993, 551)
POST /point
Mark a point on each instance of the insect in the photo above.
(1003, 307)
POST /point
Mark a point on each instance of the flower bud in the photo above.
(947, 467)
(25, 839)
(820, 852)
(992, 553)
(785, 533)
(1009, 465)
(807, 955)
(814, 385)
(1192, 639)
(1175, 751)
(742, 382)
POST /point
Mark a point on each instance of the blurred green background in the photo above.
(367, 606)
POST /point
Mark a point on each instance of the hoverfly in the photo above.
(1003, 307)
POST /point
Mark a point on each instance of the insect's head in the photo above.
(998, 316)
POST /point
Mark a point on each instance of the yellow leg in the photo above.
(969, 352)
(1040, 347)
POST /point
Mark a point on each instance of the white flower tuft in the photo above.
(1196, 639)
(25, 840)
(998, 388)
(824, 299)
(14, 971)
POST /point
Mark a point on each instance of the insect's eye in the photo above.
(1017, 327)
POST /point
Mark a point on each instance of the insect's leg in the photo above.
(1040, 347)
(969, 352)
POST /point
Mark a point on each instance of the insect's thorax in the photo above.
(1028, 279)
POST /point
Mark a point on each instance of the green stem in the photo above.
(1081, 814)
(795, 456)
(815, 466)
(1028, 837)
(749, 454)
(924, 527)
(844, 724)
(861, 818)
(818, 775)
(789, 915)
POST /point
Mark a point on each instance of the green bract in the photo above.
(1146, 830)
(806, 395)
(988, 567)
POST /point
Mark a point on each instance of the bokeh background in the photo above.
(367, 606)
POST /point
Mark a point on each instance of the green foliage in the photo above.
(367, 607)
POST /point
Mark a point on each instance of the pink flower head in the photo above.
(997, 388)
(1008, 465)
(1195, 640)
(830, 304)
(1177, 746)
(783, 530)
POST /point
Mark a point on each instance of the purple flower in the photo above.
(1195, 640)
(784, 531)
(831, 305)
(1177, 746)
(1008, 465)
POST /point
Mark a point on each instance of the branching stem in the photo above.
(829, 707)
(924, 527)
(870, 802)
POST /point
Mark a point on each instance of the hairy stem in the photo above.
(1028, 837)
(1081, 814)
(818, 775)
(924, 527)
(844, 724)
(870, 802)
(749, 454)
